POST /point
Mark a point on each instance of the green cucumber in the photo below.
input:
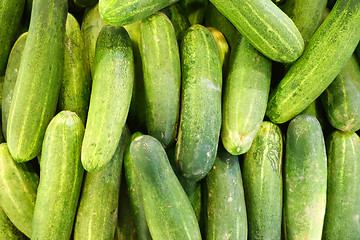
(200, 122)
(169, 213)
(263, 184)
(226, 216)
(8, 230)
(39, 80)
(86, 3)
(194, 10)
(316, 109)
(325, 55)
(265, 26)
(223, 47)
(112, 83)
(18, 184)
(178, 19)
(305, 176)
(61, 178)
(343, 193)
(162, 77)
(245, 97)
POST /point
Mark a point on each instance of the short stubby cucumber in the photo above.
(200, 117)
(194, 10)
(110, 97)
(7, 229)
(178, 19)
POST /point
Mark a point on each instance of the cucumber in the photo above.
(265, 26)
(162, 77)
(343, 193)
(178, 19)
(226, 216)
(263, 185)
(86, 3)
(194, 10)
(245, 97)
(169, 214)
(325, 55)
(18, 184)
(39, 80)
(305, 179)
(200, 122)
(316, 109)
(61, 178)
(110, 97)
(8, 230)
(223, 47)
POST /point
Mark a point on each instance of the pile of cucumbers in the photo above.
(179, 119)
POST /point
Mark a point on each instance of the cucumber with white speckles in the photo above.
(7, 229)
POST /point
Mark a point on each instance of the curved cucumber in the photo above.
(194, 10)
(178, 19)
(7, 229)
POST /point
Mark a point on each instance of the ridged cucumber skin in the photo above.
(265, 26)
(226, 216)
(18, 183)
(114, 75)
(223, 47)
(162, 77)
(343, 193)
(194, 10)
(246, 92)
(76, 83)
(124, 12)
(98, 207)
(61, 178)
(39, 80)
(308, 77)
(200, 122)
(169, 215)
(305, 179)
(178, 19)
(12, 70)
(10, 18)
(7, 229)
(86, 3)
(341, 99)
(263, 184)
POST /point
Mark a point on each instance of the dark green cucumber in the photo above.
(305, 179)
(223, 47)
(325, 55)
(18, 184)
(162, 77)
(194, 10)
(263, 184)
(200, 121)
(75, 89)
(86, 3)
(110, 97)
(169, 213)
(226, 216)
(39, 80)
(245, 97)
(7, 229)
(343, 193)
(265, 26)
(61, 178)
(178, 19)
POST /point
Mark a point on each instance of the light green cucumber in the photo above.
(194, 10)
(7, 229)
(223, 47)
(179, 21)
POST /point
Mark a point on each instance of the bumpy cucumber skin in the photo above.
(343, 193)
(341, 99)
(114, 76)
(305, 179)
(194, 10)
(18, 184)
(226, 216)
(61, 178)
(162, 77)
(200, 121)
(178, 19)
(245, 97)
(325, 55)
(39, 80)
(169, 215)
(263, 185)
(7, 229)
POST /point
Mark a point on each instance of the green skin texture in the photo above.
(341, 99)
(169, 215)
(124, 12)
(114, 75)
(11, 74)
(10, 19)
(200, 122)
(194, 10)
(178, 19)
(223, 47)
(98, 209)
(245, 97)
(343, 194)
(8, 230)
(86, 3)
(265, 26)
(61, 178)
(226, 216)
(1, 95)
(18, 184)
(316, 109)
(39, 80)
(305, 179)
(162, 77)
(76, 83)
(263, 184)
(325, 55)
